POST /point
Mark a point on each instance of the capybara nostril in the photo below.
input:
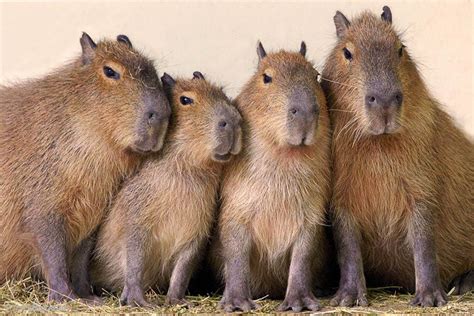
(399, 98)
(370, 100)
(222, 124)
(293, 111)
(153, 117)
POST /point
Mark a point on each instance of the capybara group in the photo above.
(67, 141)
(403, 193)
(274, 194)
(161, 220)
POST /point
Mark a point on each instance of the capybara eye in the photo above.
(400, 50)
(110, 73)
(266, 79)
(347, 53)
(185, 100)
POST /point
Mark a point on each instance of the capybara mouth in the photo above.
(222, 158)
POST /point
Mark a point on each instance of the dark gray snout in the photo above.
(383, 104)
(227, 132)
(302, 117)
(153, 123)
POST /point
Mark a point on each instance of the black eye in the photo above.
(110, 73)
(347, 53)
(185, 100)
(266, 78)
(400, 51)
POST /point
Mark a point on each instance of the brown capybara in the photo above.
(160, 222)
(67, 141)
(403, 195)
(274, 194)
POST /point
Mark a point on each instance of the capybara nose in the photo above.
(153, 118)
(222, 124)
(373, 100)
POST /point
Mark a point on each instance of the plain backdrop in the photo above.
(219, 38)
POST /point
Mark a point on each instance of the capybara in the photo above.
(274, 194)
(67, 141)
(403, 195)
(160, 223)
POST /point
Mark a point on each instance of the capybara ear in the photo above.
(124, 39)
(261, 51)
(88, 48)
(342, 24)
(198, 75)
(168, 82)
(303, 49)
(387, 14)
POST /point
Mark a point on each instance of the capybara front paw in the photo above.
(64, 296)
(430, 298)
(179, 301)
(299, 303)
(133, 296)
(237, 303)
(349, 297)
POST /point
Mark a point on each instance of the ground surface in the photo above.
(30, 297)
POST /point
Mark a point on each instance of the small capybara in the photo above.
(160, 223)
(67, 141)
(274, 194)
(403, 196)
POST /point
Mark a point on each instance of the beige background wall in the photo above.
(219, 38)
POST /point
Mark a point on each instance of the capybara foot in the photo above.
(133, 296)
(463, 283)
(349, 297)
(232, 304)
(299, 303)
(93, 300)
(57, 296)
(430, 298)
(179, 301)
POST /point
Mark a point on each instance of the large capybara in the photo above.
(403, 172)
(274, 194)
(67, 141)
(160, 222)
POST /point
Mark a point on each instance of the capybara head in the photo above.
(285, 98)
(373, 69)
(205, 125)
(132, 109)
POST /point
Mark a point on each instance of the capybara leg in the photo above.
(352, 288)
(299, 295)
(80, 271)
(237, 295)
(429, 291)
(463, 283)
(50, 239)
(133, 293)
(182, 273)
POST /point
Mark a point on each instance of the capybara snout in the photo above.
(153, 123)
(228, 132)
(302, 116)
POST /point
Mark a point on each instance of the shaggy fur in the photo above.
(394, 189)
(65, 146)
(274, 194)
(167, 210)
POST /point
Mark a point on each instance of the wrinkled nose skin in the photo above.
(302, 117)
(383, 106)
(228, 133)
(376, 99)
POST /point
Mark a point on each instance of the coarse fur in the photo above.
(405, 189)
(67, 141)
(275, 193)
(167, 210)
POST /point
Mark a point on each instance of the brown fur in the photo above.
(274, 192)
(380, 180)
(65, 146)
(171, 202)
